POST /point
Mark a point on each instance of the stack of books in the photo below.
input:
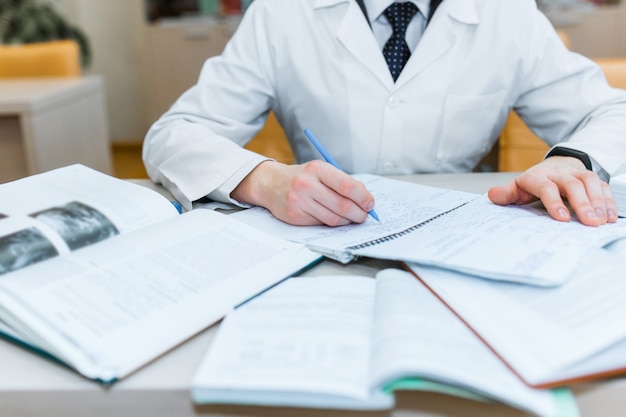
(491, 303)
(497, 303)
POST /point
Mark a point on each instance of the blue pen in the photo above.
(330, 160)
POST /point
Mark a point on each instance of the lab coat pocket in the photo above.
(471, 125)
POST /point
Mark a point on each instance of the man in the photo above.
(341, 68)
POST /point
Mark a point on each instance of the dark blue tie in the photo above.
(396, 51)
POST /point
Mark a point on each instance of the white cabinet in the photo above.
(49, 123)
(174, 53)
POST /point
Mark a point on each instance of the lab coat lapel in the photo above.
(356, 36)
(440, 36)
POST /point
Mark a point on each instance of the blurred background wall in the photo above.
(115, 31)
(147, 59)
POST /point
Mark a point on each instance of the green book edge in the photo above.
(50, 357)
(565, 401)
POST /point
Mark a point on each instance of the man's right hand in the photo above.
(313, 193)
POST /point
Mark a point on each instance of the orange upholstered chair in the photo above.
(47, 59)
(614, 70)
(272, 142)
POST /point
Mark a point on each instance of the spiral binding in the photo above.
(396, 235)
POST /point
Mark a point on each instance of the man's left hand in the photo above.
(560, 178)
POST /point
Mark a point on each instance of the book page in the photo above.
(400, 205)
(542, 332)
(53, 213)
(416, 335)
(108, 308)
(303, 342)
(307, 343)
(510, 243)
(6, 330)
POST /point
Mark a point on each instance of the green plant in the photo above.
(29, 21)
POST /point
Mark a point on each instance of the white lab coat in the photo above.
(317, 65)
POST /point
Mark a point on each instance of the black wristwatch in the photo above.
(582, 156)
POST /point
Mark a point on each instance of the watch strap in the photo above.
(574, 153)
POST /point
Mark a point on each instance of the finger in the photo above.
(325, 215)
(511, 193)
(350, 198)
(611, 205)
(338, 209)
(505, 194)
(311, 213)
(550, 195)
(574, 189)
(303, 210)
(535, 184)
(311, 200)
(595, 194)
(302, 207)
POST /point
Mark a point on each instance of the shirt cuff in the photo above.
(222, 193)
(597, 168)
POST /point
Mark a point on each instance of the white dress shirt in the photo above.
(382, 29)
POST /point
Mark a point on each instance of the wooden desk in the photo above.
(32, 386)
(47, 123)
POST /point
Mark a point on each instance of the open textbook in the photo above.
(548, 336)
(347, 342)
(454, 230)
(104, 275)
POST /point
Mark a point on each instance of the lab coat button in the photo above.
(393, 101)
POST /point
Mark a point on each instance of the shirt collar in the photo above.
(376, 7)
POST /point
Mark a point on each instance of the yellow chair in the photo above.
(25, 136)
(272, 142)
(519, 148)
(47, 59)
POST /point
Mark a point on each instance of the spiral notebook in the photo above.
(453, 230)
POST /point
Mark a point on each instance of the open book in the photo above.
(454, 230)
(347, 342)
(104, 275)
(548, 336)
